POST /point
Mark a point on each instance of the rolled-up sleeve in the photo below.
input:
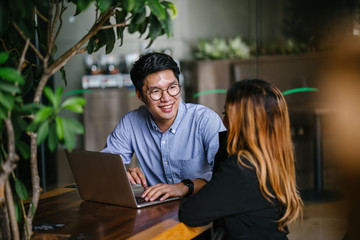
(119, 142)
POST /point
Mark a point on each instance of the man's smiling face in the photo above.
(165, 109)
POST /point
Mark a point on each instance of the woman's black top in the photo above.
(232, 199)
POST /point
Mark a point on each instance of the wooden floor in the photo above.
(322, 221)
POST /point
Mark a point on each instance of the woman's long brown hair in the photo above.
(259, 131)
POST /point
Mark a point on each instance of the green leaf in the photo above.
(104, 5)
(59, 128)
(154, 29)
(74, 104)
(58, 94)
(29, 80)
(42, 132)
(42, 114)
(20, 123)
(33, 127)
(6, 100)
(138, 5)
(157, 9)
(167, 25)
(33, 209)
(83, 4)
(17, 211)
(4, 57)
(54, 50)
(10, 88)
(78, 91)
(74, 125)
(110, 40)
(31, 108)
(129, 5)
(171, 7)
(53, 138)
(69, 139)
(120, 34)
(106, 37)
(132, 28)
(21, 190)
(140, 16)
(3, 113)
(121, 18)
(74, 101)
(50, 95)
(142, 27)
(10, 74)
(71, 127)
(23, 148)
(63, 75)
(91, 45)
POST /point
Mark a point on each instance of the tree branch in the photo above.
(60, 20)
(52, 31)
(10, 164)
(23, 55)
(61, 61)
(49, 23)
(41, 16)
(7, 50)
(35, 182)
(12, 216)
(113, 25)
(25, 38)
(82, 50)
(4, 219)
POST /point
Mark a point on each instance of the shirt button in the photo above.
(165, 162)
(170, 180)
(163, 142)
(172, 130)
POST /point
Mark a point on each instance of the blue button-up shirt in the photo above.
(185, 151)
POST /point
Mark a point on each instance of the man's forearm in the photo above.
(198, 184)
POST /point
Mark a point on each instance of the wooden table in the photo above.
(90, 220)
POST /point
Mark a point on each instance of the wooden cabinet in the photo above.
(103, 110)
(286, 72)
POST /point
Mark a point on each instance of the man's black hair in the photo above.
(150, 63)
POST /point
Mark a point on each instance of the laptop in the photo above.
(101, 177)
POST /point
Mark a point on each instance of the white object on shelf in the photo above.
(106, 81)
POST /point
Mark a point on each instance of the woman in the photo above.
(252, 194)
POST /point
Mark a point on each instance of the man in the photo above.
(175, 143)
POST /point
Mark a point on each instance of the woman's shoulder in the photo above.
(232, 164)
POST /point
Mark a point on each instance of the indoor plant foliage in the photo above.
(28, 33)
(221, 48)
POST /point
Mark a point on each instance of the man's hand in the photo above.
(136, 176)
(165, 191)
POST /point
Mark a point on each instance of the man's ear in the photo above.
(139, 96)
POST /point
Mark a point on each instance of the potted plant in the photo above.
(28, 34)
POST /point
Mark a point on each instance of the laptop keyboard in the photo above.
(140, 200)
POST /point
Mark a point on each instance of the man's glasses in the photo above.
(157, 93)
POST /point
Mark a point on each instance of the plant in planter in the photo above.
(28, 34)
